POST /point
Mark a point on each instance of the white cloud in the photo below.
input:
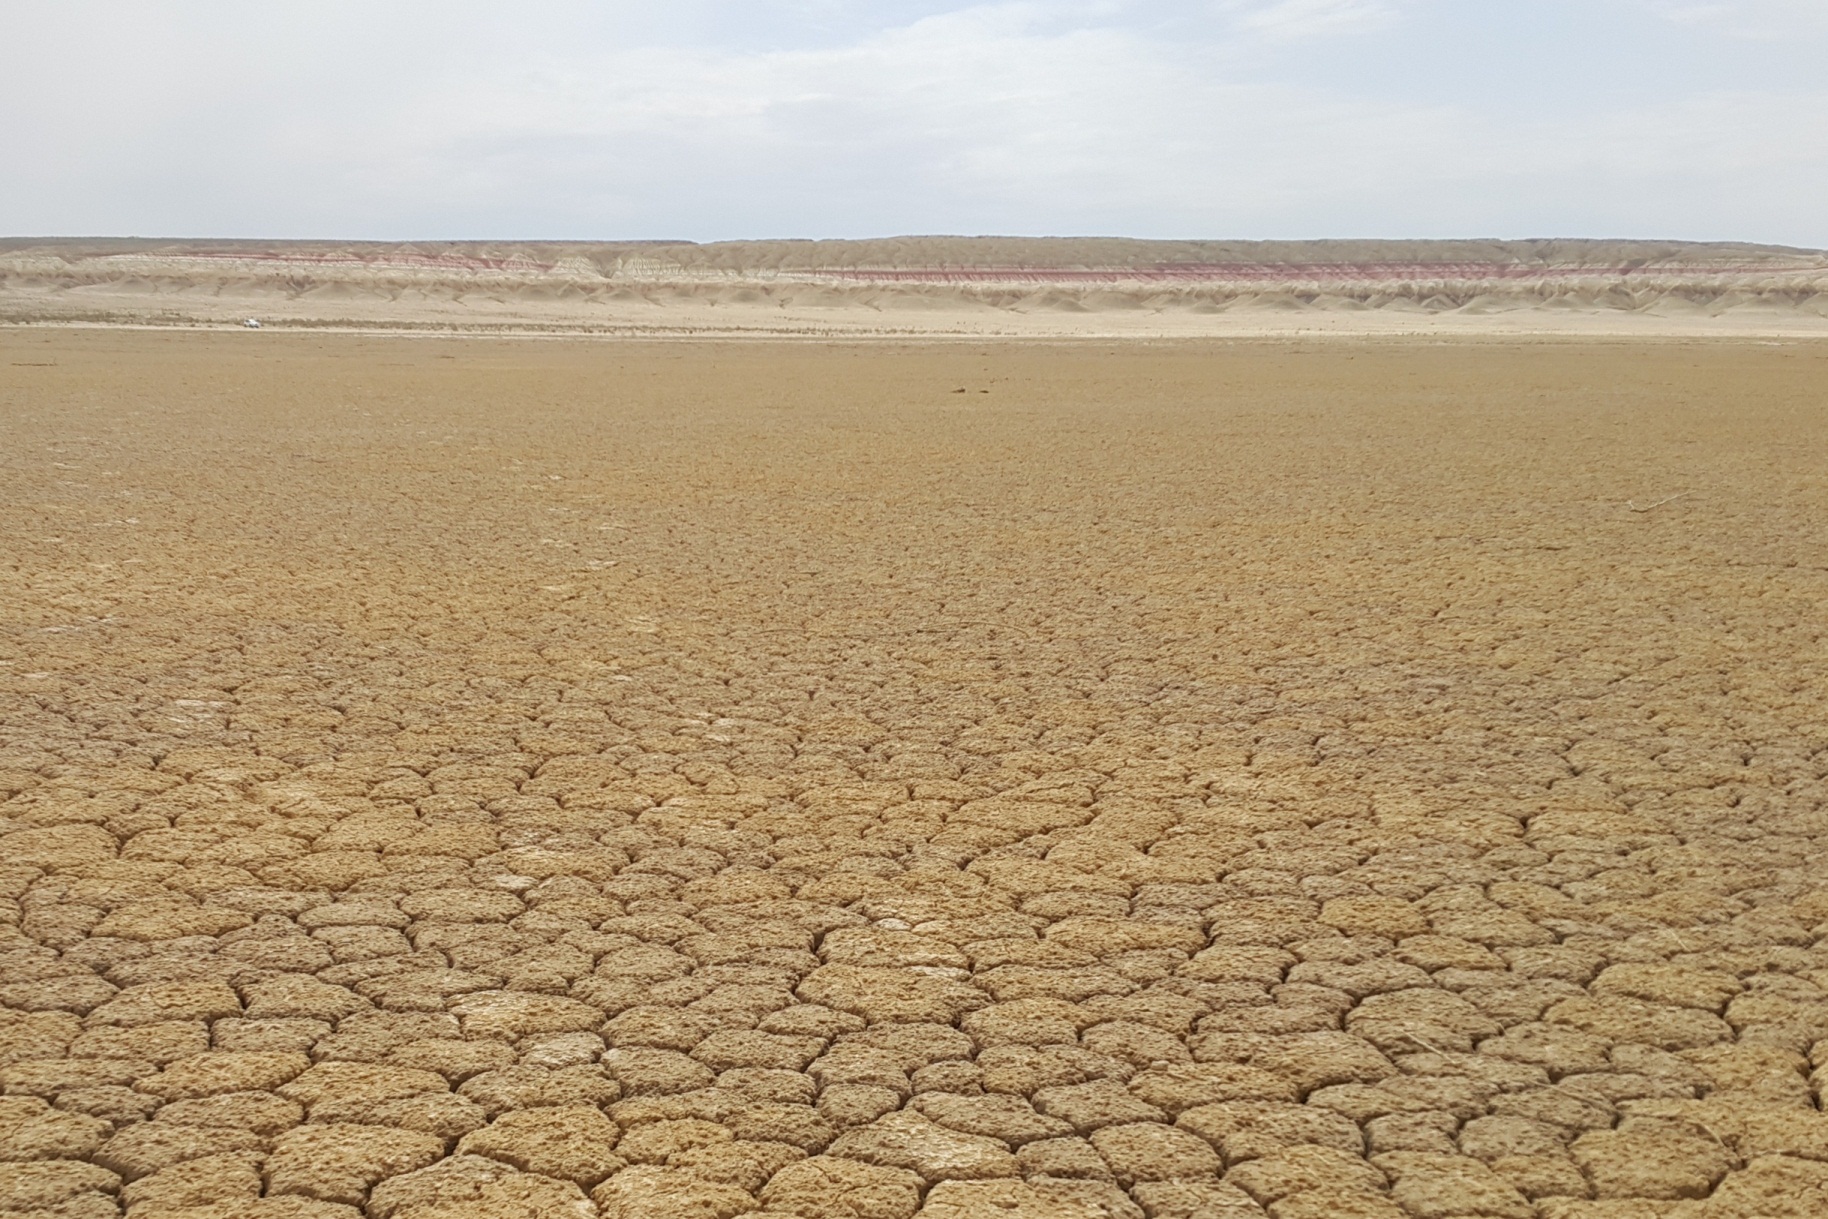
(1294, 19)
(580, 120)
(1759, 19)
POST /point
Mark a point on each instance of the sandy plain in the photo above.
(460, 778)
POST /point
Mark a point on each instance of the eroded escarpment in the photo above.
(479, 780)
(925, 286)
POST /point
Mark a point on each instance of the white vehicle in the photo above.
(252, 323)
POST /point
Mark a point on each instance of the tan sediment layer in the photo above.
(459, 779)
(1077, 287)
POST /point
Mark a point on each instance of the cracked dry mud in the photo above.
(461, 779)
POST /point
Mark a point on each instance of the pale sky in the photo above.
(715, 119)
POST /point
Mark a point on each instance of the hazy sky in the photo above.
(712, 119)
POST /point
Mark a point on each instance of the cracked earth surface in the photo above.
(459, 779)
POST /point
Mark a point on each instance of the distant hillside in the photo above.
(615, 285)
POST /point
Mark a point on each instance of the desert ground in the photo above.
(468, 778)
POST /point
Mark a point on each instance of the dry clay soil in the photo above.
(446, 779)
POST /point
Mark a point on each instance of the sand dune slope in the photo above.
(924, 285)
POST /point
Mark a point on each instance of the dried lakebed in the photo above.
(448, 779)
